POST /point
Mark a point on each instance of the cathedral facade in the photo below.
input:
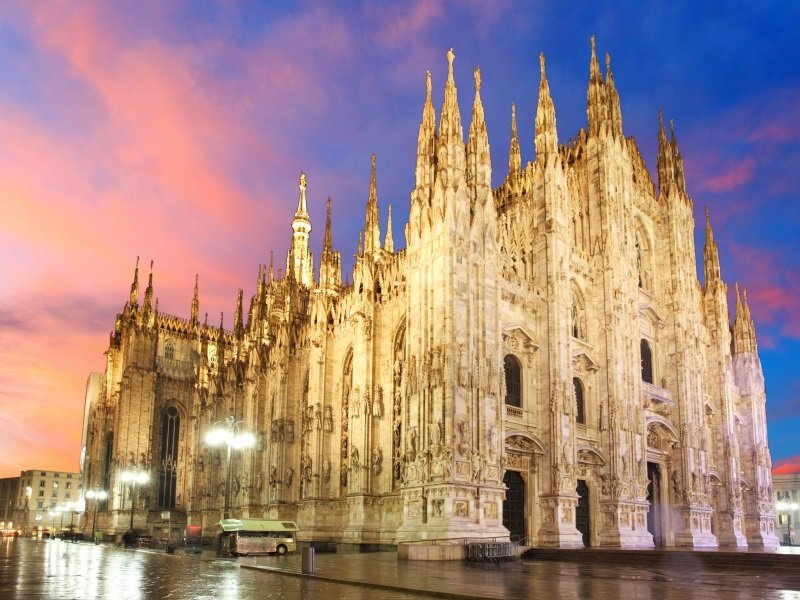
(540, 362)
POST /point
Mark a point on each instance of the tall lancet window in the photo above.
(647, 361)
(168, 472)
(580, 404)
(513, 381)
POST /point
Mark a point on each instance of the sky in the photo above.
(175, 132)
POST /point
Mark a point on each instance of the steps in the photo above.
(716, 560)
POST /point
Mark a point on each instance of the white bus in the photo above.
(253, 537)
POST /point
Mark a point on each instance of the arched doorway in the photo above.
(582, 522)
(514, 505)
(654, 498)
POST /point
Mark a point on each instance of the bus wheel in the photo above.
(282, 550)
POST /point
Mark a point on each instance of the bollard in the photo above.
(308, 559)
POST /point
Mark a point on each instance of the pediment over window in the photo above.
(523, 442)
(589, 455)
(651, 314)
(519, 340)
(581, 361)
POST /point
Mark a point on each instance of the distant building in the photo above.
(539, 362)
(787, 507)
(29, 500)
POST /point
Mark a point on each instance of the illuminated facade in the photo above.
(539, 361)
(29, 501)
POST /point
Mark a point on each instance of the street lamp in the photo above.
(71, 506)
(228, 433)
(788, 507)
(98, 496)
(133, 477)
(53, 514)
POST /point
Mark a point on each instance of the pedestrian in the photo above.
(127, 539)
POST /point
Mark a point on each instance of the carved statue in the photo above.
(328, 419)
(273, 476)
(377, 461)
(326, 470)
(289, 476)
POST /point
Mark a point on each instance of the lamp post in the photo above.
(133, 477)
(71, 506)
(53, 514)
(97, 495)
(227, 432)
(788, 507)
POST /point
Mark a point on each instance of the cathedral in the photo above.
(540, 363)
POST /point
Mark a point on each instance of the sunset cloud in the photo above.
(175, 132)
(787, 466)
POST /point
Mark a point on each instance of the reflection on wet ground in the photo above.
(54, 569)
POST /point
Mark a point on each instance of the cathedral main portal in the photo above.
(514, 505)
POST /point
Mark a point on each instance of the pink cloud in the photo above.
(733, 177)
(773, 287)
(787, 466)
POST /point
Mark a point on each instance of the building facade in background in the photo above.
(540, 361)
(787, 508)
(39, 501)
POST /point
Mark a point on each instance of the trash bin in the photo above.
(170, 548)
(308, 559)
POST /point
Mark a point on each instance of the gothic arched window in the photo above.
(168, 472)
(580, 404)
(577, 315)
(169, 351)
(644, 259)
(513, 381)
(647, 361)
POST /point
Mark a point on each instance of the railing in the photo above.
(656, 393)
(491, 551)
(513, 412)
(181, 369)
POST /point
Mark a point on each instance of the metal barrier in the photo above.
(491, 551)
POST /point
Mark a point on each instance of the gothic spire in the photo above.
(612, 97)
(195, 301)
(134, 296)
(664, 158)
(299, 264)
(330, 275)
(238, 322)
(450, 130)
(148, 293)
(426, 139)
(546, 139)
(710, 256)
(271, 267)
(596, 107)
(677, 159)
(744, 330)
(326, 243)
(372, 228)
(514, 154)
(478, 162)
(389, 243)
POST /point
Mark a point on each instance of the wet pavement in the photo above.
(55, 569)
(540, 579)
(61, 570)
